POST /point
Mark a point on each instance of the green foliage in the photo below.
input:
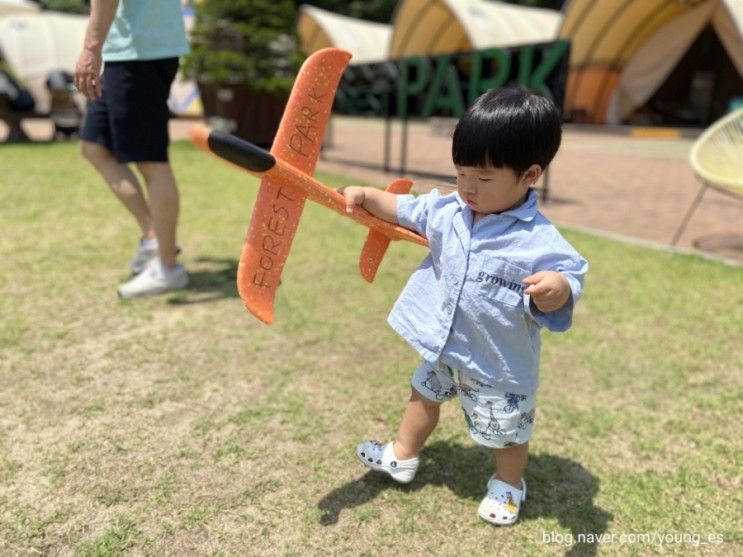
(251, 42)
(549, 4)
(380, 11)
(68, 6)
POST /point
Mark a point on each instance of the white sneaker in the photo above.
(502, 503)
(154, 279)
(382, 458)
(146, 251)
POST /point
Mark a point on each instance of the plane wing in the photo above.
(278, 207)
(286, 182)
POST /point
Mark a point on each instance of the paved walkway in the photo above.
(636, 188)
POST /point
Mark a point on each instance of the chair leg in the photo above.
(689, 213)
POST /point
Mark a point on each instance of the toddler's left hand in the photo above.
(549, 290)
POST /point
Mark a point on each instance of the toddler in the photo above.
(498, 271)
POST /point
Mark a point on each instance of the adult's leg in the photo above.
(122, 182)
(164, 207)
(419, 419)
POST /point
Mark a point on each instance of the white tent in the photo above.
(622, 52)
(654, 60)
(8, 7)
(727, 20)
(367, 41)
(35, 44)
(441, 26)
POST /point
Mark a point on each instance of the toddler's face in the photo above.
(487, 189)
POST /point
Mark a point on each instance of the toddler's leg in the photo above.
(510, 463)
(419, 420)
(506, 488)
(400, 459)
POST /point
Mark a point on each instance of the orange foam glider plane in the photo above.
(286, 181)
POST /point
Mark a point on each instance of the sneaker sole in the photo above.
(154, 292)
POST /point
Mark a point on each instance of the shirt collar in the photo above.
(525, 212)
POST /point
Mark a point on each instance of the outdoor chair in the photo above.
(717, 160)
(15, 103)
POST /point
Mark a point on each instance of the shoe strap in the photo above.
(498, 487)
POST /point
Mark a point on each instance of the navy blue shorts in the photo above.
(131, 118)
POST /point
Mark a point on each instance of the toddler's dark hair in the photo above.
(510, 127)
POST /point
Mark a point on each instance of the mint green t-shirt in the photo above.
(146, 30)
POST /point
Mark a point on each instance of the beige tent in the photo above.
(8, 7)
(440, 26)
(35, 44)
(622, 52)
(365, 40)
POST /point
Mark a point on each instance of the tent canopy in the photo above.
(441, 26)
(8, 7)
(621, 52)
(367, 41)
(35, 44)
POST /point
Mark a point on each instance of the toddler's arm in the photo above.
(379, 203)
(549, 290)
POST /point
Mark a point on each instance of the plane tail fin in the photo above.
(377, 243)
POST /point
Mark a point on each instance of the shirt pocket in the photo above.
(500, 281)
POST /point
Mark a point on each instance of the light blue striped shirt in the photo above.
(465, 305)
(146, 30)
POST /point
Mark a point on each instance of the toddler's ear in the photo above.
(532, 174)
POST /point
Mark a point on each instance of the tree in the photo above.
(382, 11)
(551, 4)
(68, 6)
(245, 41)
(244, 57)
(372, 10)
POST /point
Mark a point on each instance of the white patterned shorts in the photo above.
(496, 418)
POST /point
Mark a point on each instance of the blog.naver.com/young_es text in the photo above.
(568, 539)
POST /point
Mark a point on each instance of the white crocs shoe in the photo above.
(155, 279)
(502, 503)
(382, 458)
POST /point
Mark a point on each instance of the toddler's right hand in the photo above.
(354, 196)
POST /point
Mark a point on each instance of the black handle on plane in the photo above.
(240, 152)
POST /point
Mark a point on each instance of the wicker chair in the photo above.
(717, 160)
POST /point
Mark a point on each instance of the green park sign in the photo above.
(423, 86)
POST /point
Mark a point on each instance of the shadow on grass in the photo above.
(209, 285)
(557, 488)
(723, 244)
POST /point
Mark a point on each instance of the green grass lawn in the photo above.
(181, 425)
